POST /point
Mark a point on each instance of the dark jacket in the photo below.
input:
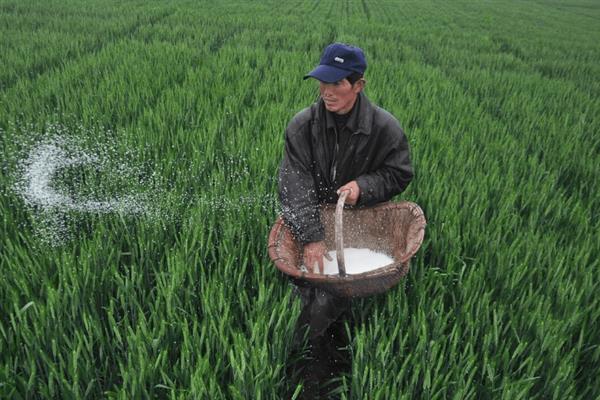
(375, 154)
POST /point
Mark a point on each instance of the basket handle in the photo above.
(339, 232)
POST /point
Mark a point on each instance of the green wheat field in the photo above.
(140, 143)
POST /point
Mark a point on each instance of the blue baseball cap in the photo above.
(337, 62)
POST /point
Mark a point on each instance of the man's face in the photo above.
(339, 97)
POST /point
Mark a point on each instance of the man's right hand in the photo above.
(313, 255)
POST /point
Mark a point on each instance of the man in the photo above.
(341, 142)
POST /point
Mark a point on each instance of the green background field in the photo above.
(500, 101)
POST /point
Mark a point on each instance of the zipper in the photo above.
(335, 156)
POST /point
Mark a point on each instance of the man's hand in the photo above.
(354, 194)
(313, 255)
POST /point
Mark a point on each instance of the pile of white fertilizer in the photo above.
(357, 261)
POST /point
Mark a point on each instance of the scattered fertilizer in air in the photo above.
(62, 180)
(220, 203)
(38, 188)
(357, 261)
(69, 178)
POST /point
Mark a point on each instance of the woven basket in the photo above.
(396, 229)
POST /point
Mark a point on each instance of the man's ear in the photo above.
(359, 85)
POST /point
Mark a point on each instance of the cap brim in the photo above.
(328, 74)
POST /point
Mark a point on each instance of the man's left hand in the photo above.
(354, 194)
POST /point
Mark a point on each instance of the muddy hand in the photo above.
(313, 256)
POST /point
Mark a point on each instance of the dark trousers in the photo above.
(321, 323)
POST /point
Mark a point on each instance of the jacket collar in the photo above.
(360, 120)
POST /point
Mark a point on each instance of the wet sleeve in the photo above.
(297, 194)
(394, 174)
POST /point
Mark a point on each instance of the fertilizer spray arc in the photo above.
(46, 160)
(121, 187)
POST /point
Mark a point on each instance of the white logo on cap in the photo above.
(338, 59)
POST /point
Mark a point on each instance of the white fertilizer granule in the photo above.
(357, 261)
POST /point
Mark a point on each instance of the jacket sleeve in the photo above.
(394, 174)
(297, 194)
